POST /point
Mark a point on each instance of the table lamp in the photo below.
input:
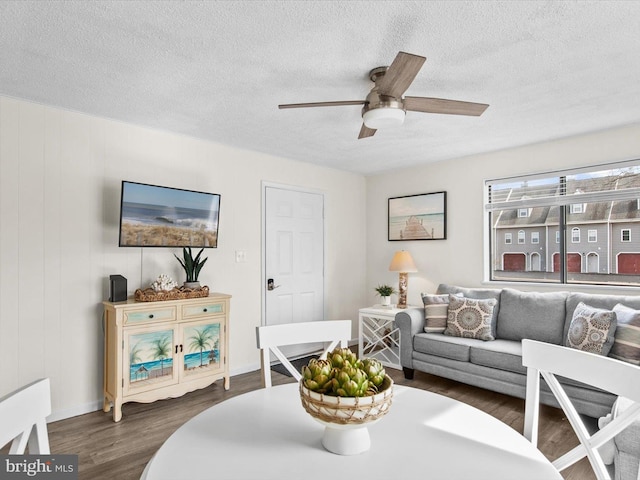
(403, 263)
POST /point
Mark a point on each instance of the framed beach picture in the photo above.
(418, 217)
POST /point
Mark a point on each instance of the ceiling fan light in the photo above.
(383, 118)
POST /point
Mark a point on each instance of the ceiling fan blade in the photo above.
(323, 104)
(441, 105)
(366, 132)
(400, 74)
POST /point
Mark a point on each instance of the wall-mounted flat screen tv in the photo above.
(154, 216)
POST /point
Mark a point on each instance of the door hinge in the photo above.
(123, 343)
(123, 383)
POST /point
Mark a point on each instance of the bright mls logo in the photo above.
(50, 467)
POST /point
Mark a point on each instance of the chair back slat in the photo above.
(614, 376)
(23, 416)
(270, 337)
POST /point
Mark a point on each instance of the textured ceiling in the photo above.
(218, 70)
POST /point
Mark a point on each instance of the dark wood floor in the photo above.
(111, 451)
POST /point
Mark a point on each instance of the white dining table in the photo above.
(267, 434)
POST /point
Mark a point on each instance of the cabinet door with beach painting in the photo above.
(201, 348)
(149, 358)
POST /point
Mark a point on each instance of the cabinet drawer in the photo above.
(150, 315)
(204, 309)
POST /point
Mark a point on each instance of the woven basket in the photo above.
(150, 295)
(348, 410)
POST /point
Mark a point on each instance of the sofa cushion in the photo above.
(533, 315)
(598, 301)
(436, 308)
(470, 318)
(455, 348)
(592, 329)
(500, 354)
(480, 293)
(626, 344)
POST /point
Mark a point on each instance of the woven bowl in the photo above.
(348, 410)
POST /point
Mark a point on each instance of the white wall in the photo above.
(60, 175)
(459, 259)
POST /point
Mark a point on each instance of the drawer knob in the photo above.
(204, 309)
(151, 315)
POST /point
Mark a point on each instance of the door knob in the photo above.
(271, 285)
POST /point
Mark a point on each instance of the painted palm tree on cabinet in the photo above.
(202, 343)
(201, 339)
(150, 356)
(161, 352)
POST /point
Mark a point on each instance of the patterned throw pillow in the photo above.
(436, 308)
(626, 344)
(470, 318)
(592, 329)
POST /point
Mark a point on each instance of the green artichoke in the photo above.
(350, 382)
(343, 357)
(374, 370)
(317, 375)
(343, 374)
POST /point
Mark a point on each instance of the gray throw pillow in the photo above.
(592, 329)
(470, 318)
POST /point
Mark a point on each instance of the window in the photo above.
(575, 235)
(602, 201)
(576, 208)
(508, 238)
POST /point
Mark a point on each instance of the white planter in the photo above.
(386, 301)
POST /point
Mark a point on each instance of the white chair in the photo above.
(23, 415)
(617, 377)
(271, 337)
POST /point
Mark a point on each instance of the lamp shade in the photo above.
(402, 262)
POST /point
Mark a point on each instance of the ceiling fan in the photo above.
(385, 106)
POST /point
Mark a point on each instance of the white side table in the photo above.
(378, 336)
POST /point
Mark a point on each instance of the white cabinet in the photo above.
(156, 350)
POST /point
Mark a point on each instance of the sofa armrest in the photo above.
(410, 322)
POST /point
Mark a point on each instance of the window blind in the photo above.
(604, 183)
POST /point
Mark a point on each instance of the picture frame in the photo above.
(417, 217)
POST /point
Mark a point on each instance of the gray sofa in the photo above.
(497, 365)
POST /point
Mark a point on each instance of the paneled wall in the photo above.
(60, 175)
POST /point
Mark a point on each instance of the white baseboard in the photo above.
(97, 404)
(75, 411)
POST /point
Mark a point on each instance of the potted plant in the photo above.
(346, 394)
(385, 292)
(192, 267)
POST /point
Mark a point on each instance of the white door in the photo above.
(294, 258)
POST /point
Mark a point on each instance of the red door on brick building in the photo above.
(629, 263)
(574, 262)
(514, 262)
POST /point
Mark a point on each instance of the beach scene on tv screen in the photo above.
(154, 216)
